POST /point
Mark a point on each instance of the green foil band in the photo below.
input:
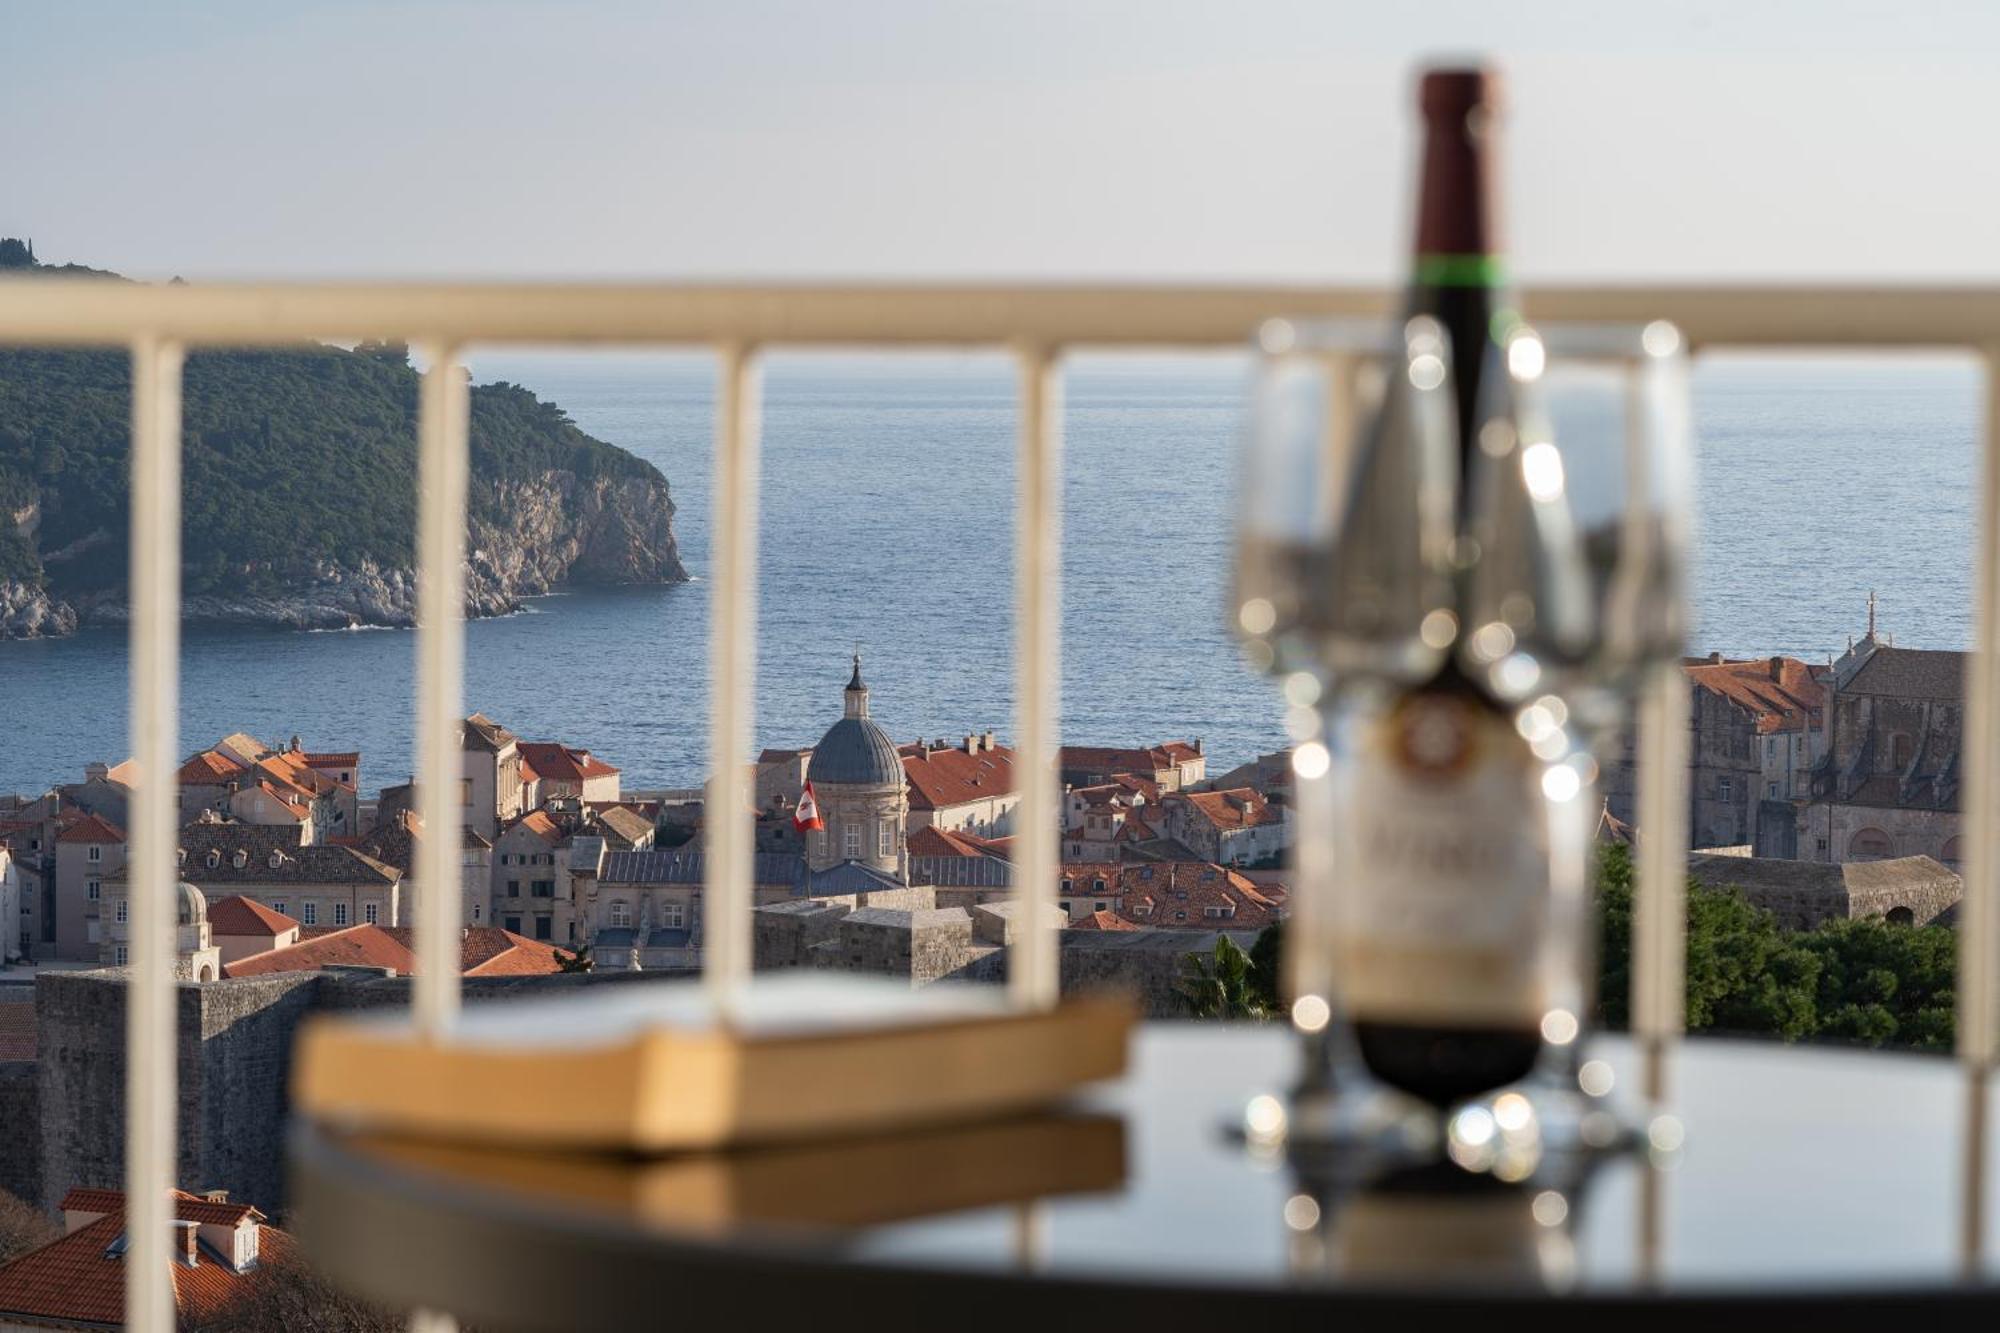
(1461, 271)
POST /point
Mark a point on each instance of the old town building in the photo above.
(1888, 784)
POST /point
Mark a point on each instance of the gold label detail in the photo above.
(1442, 905)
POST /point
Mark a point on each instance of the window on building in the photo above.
(543, 888)
(309, 914)
(340, 914)
(1724, 789)
(94, 889)
(621, 913)
(123, 905)
(1100, 907)
(475, 913)
(278, 906)
(371, 912)
(545, 928)
(850, 842)
(511, 924)
(885, 838)
(465, 792)
(124, 955)
(1822, 844)
(1899, 749)
(1771, 790)
(673, 915)
(1065, 905)
(513, 888)
(95, 853)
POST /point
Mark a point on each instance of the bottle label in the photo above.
(1441, 909)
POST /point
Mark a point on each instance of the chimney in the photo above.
(1197, 745)
(216, 1196)
(971, 743)
(1715, 659)
(1777, 668)
(988, 744)
(185, 1237)
(96, 772)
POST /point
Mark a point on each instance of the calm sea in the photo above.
(887, 524)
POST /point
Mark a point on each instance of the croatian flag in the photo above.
(807, 815)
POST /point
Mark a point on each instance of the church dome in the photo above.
(855, 750)
(193, 904)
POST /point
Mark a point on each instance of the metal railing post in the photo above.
(443, 406)
(1979, 921)
(728, 882)
(1033, 967)
(150, 1044)
(1659, 914)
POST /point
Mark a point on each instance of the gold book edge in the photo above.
(668, 1090)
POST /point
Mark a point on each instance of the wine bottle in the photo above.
(1441, 920)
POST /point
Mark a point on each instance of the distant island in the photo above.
(300, 490)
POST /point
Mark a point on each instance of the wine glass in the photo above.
(1600, 481)
(1344, 583)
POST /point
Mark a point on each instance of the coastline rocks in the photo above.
(28, 612)
(524, 539)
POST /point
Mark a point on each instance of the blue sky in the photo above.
(1059, 138)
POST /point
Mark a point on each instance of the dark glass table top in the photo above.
(1819, 1176)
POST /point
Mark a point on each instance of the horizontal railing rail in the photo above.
(52, 311)
(1037, 325)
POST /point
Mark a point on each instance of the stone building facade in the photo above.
(1888, 783)
(1907, 890)
(1744, 718)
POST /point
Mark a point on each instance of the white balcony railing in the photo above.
(1039, 324)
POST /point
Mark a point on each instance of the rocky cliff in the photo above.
(299, 471)
(555, 531)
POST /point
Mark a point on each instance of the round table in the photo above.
(1830, 1180)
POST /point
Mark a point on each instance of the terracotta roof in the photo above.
(540, 823)
(1102, 921)
(930, 840)
(1178, 894)
(208, 769)
(484, 951)
(333, 758)
(91, 828)
(17, 1030)
(528, 773)
(1780, 692)
(1238, 808)
(940, 778)
(1105, 760)
(187, 1207)
(294, 807)
(80, 1279)
(489, 951)
(352, 946)
(1180, 751)
(552, 759)
(237, 914)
